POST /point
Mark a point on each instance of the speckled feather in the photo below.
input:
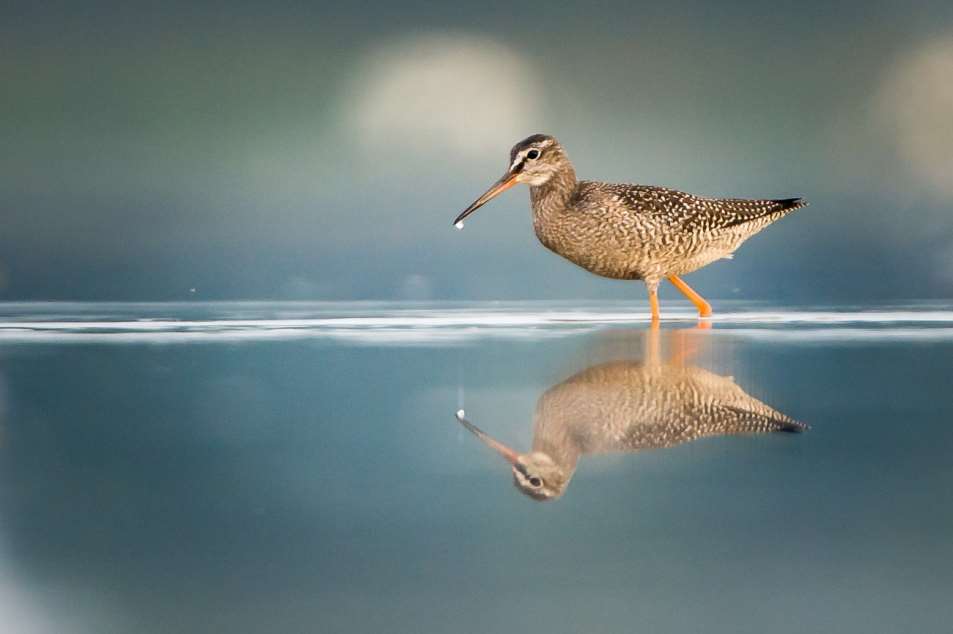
(629, 406)
(636, 231)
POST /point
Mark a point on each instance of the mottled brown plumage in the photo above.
(630, 406)
(634, 232)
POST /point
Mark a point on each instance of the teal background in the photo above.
(300, 150)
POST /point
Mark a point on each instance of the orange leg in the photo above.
(653, 346)
(704, 308)
(653, 303)
(683, 348)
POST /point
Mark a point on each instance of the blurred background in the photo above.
(294, 150)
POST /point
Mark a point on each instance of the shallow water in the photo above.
(288, 467)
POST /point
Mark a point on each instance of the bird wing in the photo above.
(753, 418)
(697, 213)
(724, 213)
(720, 406)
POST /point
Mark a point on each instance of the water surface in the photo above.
(298, 468)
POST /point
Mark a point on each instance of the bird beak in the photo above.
(508, 454)
(500, 186)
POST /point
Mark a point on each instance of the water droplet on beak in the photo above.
(461, 414)
(459, 225)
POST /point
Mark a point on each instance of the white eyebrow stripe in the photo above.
(517, 160)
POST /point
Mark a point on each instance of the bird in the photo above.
(629, 232)
(627, 406)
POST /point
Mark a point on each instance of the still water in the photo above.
(300, 468)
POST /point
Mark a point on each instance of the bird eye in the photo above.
(532, 154)
(536, 482)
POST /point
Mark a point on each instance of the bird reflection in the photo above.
(629, 406)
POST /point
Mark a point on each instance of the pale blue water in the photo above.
(298, 468)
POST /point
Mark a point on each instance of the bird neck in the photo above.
(562, 450)
(554, 195)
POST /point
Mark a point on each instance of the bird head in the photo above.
(533, 161)
(535, 474)
(538, 476)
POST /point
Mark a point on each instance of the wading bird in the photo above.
(627, 407)
(629, 232)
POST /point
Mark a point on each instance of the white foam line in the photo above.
(442, 319)
(408, 326)
(396, 321)
(839, 317)
(353, 335)
(821, 335)
(449, 336)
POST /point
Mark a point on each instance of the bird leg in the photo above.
(686, 345)
(704, 308)
(653, 303)
(653, 347)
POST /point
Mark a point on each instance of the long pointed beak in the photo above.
(500, 186)
(508, 454)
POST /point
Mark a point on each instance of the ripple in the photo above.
(380, 323)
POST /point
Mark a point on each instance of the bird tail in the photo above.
(789, 204)
(791, 425)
